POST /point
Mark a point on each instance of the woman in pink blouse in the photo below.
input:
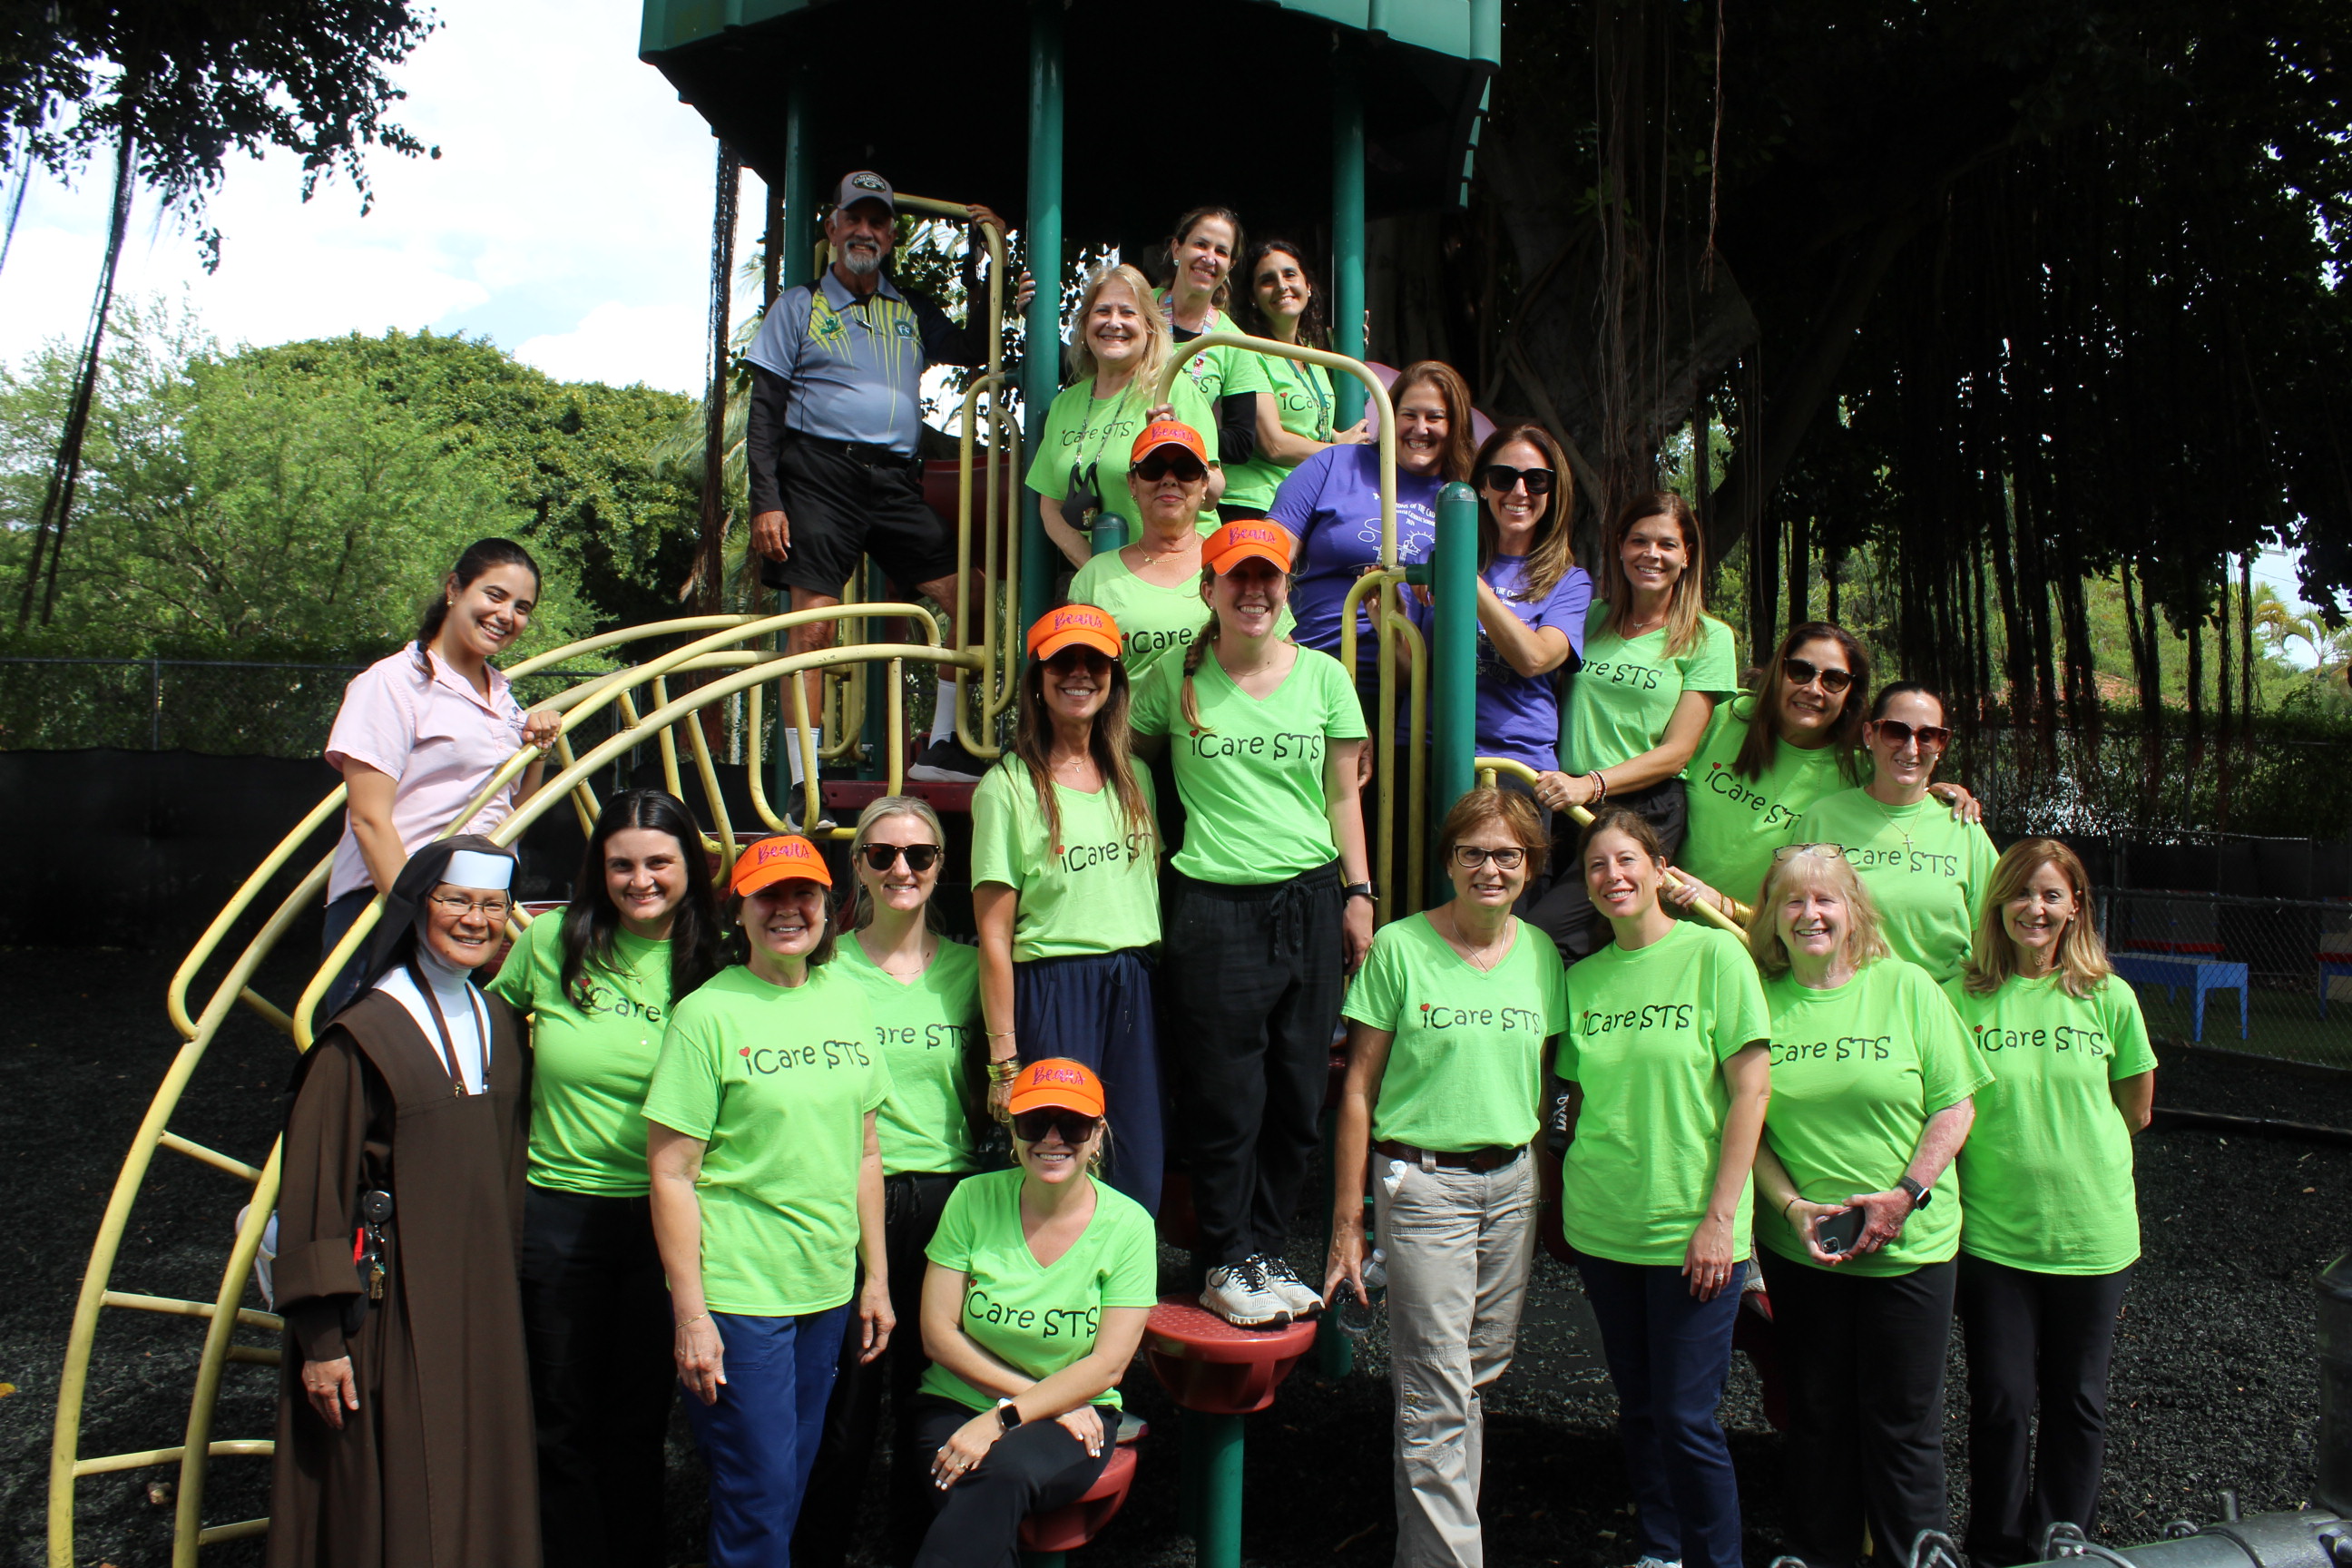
(421, 732)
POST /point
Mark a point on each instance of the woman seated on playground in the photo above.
(1448, 1021)
(924, 992)
(1295, 419)
(767, 1195)
(1200, 257)
(1926, 867)
(1118, 351)
(1040, 1280)
(1873, 1077)
(1666, 1104)
(597, 982)
(1066, 888)
(1768, 756)
(420, 733)
(404, 1350)
(2052, 1232)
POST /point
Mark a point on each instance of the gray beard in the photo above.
(861, 263)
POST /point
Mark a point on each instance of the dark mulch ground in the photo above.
(2213, 1383)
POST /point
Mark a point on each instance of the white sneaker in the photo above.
(1295, 1293)
(1659, 1563)
(1241, 1295)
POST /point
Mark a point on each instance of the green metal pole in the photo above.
(1217, 1527)
(796, 241)
(1454, 656)
(1348, 222)
(1041, 374)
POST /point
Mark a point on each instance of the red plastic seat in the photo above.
(1338, 1079)
(1207, 1364)
(939, 495)
(1071, 1526)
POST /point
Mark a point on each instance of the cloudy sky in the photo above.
(567, 219)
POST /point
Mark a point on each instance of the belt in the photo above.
(864, 452)
(1491, 1158)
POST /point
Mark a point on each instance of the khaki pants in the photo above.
(1458, 1244)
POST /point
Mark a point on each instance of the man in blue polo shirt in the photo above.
(836, 409)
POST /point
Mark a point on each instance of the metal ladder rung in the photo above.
(237, 1531)
(268, 1009)
(258, 1355)
(107, 1464)
(246, 1316)
(213, 1157)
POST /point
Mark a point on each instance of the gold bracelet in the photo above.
(1005, 1071)
(694, 1319)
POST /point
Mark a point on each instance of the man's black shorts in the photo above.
(842, 507)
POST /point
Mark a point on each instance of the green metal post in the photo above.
(1348, 222)
(1453, 658)
(1110, 529)
(1041, 1560)
(1041, 374)
(1215, 1443)
(796, 241)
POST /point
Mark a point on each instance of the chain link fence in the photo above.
(2270, 977)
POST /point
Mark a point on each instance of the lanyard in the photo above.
(1317, 383)
(449, 1046)
(1093, 474)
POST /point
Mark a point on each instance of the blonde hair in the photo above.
(1158, 343)
(1813, 865)
(861, 903)
(2083, 966)
(1686, 601)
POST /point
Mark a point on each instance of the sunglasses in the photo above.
(1470, 856)
(920, 857)
(1898, 735)
(1804, 672)
(1502, 477)
(1035, 1126)
(1079, 656)
(1157, 466)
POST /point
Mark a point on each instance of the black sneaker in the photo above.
(946, 762)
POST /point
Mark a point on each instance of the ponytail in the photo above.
(1193, 654)
(479, 557)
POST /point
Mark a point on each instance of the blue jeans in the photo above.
(1668, 1352)
(761, 1438)
(342, 915)
(1096, 1009)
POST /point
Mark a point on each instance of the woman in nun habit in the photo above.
(405, 1435)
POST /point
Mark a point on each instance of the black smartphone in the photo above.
(1835, 1233)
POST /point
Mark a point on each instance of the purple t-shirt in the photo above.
(1518, 715)
(1331, 505)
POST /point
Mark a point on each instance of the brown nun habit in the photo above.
(436, 1468)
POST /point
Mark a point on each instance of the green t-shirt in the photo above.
(2048, 1164)
(1304, 402)
(926, 1027)
(1251, 778)
(1153, 622)
(1097, 435)
(1465, 1068)
(1619, 700)
(1039, 1319)
(1648, 1033)
(589, 1066)
(776, 1081)
(1857, 1069)
(1096, 891)
(1926, 873)
(1735, 821)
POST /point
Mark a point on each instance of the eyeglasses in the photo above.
(1804, 672)
(1157, 466)
(1035, 1126)
(488, 908)
(1897, 733)
(1470, 856)
(920, 857)
(1836, 851)
(1503, 477)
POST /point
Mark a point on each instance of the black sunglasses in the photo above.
(920, 857)
(1033, 1126)
(1502, 477)
(1804, 672)
(1079, 656)
(1931, 737)
(1157, 466)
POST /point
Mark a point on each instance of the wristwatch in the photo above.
(1359, 891)
(1920, 1194)
(1008, 1416)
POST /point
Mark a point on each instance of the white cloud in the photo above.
(657, 345)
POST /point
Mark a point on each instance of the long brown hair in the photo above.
(2083, 963)
(1223, 294)
(1553, 552)
(1688, 600)
(1312, 332)
(1461, 440)
(1109, 744)
(592, 923)
(479, 557)
(1763, 743)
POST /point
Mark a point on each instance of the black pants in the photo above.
(1035, 1466)
(1564, 912)
(911, 1205)
(2031, 1337)
(596, 1319)
(1251, 982)
(1865, 1363)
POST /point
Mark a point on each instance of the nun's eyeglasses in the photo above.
(488, 908)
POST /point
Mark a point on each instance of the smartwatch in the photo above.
(1359, 891)
(1008, 1416)
(1920, 1195)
